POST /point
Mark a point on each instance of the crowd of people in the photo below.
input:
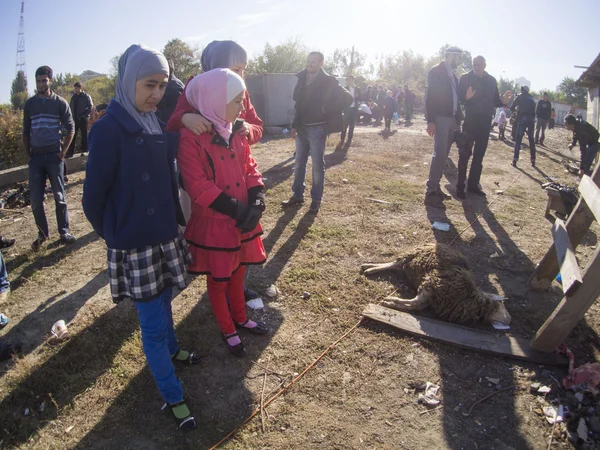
(172, 187)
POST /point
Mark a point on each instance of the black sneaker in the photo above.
(314, 207)
(476, 191)
(38, 243)
(249, 294)
(6, 243)
(432, 199)
(293, 200)
(443, 195)
(514, 163)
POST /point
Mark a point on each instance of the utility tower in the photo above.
(21, 65)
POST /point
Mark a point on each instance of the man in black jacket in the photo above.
(542, 113)
(478, 91)
(443, 118)
(81, 107)
(525, 123)
(350, 114)
(167, 104)
(319, 103)
(587, 136)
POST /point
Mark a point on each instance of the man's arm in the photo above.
(26, 130)
(66, 119)
(88, 104)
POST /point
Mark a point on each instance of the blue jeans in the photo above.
(310, 140)
(526, 124)
(160, 343)
(42, 167)
(588, 153)
(4, 283)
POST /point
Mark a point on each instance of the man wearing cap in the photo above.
(587, 136)
(478, 91)
(443, 120)
(525, 123)
(81, 107)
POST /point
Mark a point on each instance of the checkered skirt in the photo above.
(143, 273)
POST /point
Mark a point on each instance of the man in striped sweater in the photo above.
(45, 115)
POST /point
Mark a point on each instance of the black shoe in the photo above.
(38, 243)
(6, 243)
(443, 195)
(249, 294)
(259, 329)
(192, 359)
(292, 201)
(533, 162)
(314, 207)
(432, 199)
(460, 194)
(347, 144)
(514, 163)
(476, 191)
(340, 146)
(187, 423)
(236, 350)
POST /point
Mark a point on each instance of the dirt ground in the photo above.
(97, 392)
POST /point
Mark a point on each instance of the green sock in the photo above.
(181, 411)
(182, 355)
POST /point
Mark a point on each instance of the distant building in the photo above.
(591, 80)
(522, 81)
(88, 75)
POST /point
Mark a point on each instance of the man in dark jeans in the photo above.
(81, 107)
(478, 91)
(587, 136)
(319, 103)
(409, 103)
(525, 123)
(44, 115)
(542, 113)
(350, 114)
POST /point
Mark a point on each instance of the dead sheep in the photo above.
(440, 274)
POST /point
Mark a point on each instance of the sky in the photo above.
(540, 40)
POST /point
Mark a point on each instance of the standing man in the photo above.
(44, 115)
(478, 91)
(350, 114)
(542, 113)
(167, 104)
(319, 103)
(525, 123)
(81, 107)
(587, 136)
(443, 120)
(409, 102)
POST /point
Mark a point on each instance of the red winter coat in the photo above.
(209, 167)
(249, 115)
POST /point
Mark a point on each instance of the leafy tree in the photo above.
(467, 59)
(289, 57)
(403, 68)
(506, 85)
(184, 59)
(101, 89)
(18, 90)
(346, 61)
(574, 93)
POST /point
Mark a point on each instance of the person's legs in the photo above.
(171, 337)
(4, 283)
(345, 126)
(317, 137)
(37, 185)
(55, 174)
(235, 293)
(154, 326)
(218, 301)
(71, 150)
(587, 158)
(388, 123)
(481, 142)
(518, 140)
(302, 151)
(538, 127)
(442, 140)
(83, 126)
(529, 129)
(351, 122)
(464, 154)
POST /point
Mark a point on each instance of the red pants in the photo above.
(219, 291)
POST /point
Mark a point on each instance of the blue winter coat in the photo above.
(130, 190)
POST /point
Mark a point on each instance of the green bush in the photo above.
(11, 140)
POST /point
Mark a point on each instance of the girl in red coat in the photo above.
(226, 190)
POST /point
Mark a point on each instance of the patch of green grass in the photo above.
(300, 274)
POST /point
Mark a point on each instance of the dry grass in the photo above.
(99, 393)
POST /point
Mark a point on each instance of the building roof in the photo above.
(591, 76)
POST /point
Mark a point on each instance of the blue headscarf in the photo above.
(222, 55)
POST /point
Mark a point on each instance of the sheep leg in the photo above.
(407, 304)
(370, 269)
(494, 297)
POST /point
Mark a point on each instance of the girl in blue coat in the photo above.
(130, 198)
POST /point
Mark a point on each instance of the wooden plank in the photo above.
(567, 262)
(464, 337)
(570, 310)
(577, 225)
(591, 194)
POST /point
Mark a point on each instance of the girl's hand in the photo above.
(196, 123)
(244, 130)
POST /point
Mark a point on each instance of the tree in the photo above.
(346, 61)
(184, 59)
(574, 93)
(507, 85)
(18, 90)
(467, 59)
(289, 57)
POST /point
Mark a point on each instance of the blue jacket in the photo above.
(130, 190)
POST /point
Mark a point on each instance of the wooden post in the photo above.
(577, 225)
(571, 309)
(567, 262)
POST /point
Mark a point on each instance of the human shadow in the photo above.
(278, 173)
(531, 177)
(335, 158)
(218, 391)
(58, 251)
(34, 328)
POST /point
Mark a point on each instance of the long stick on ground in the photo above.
(262, 399)
(468, 413)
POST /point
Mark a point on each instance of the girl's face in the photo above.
(234, 108)
(239, 68)
(149, 91)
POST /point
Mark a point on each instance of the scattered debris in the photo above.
(17, 197)
(3, 321)
(59, 330)
(406, 165)
(68, 429)
(544, 390)
(584, 378)
(468, 413)
(344, 180)
(582, 430)
(500, 326)
(499, 192)
(26, 412)
(42, 406)
(429, 398)
(378, 201)
(272, 291)
(493, 380)
(306, 295)
(441, 226)
(494, 255)
(554, 414)
(255, 303)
